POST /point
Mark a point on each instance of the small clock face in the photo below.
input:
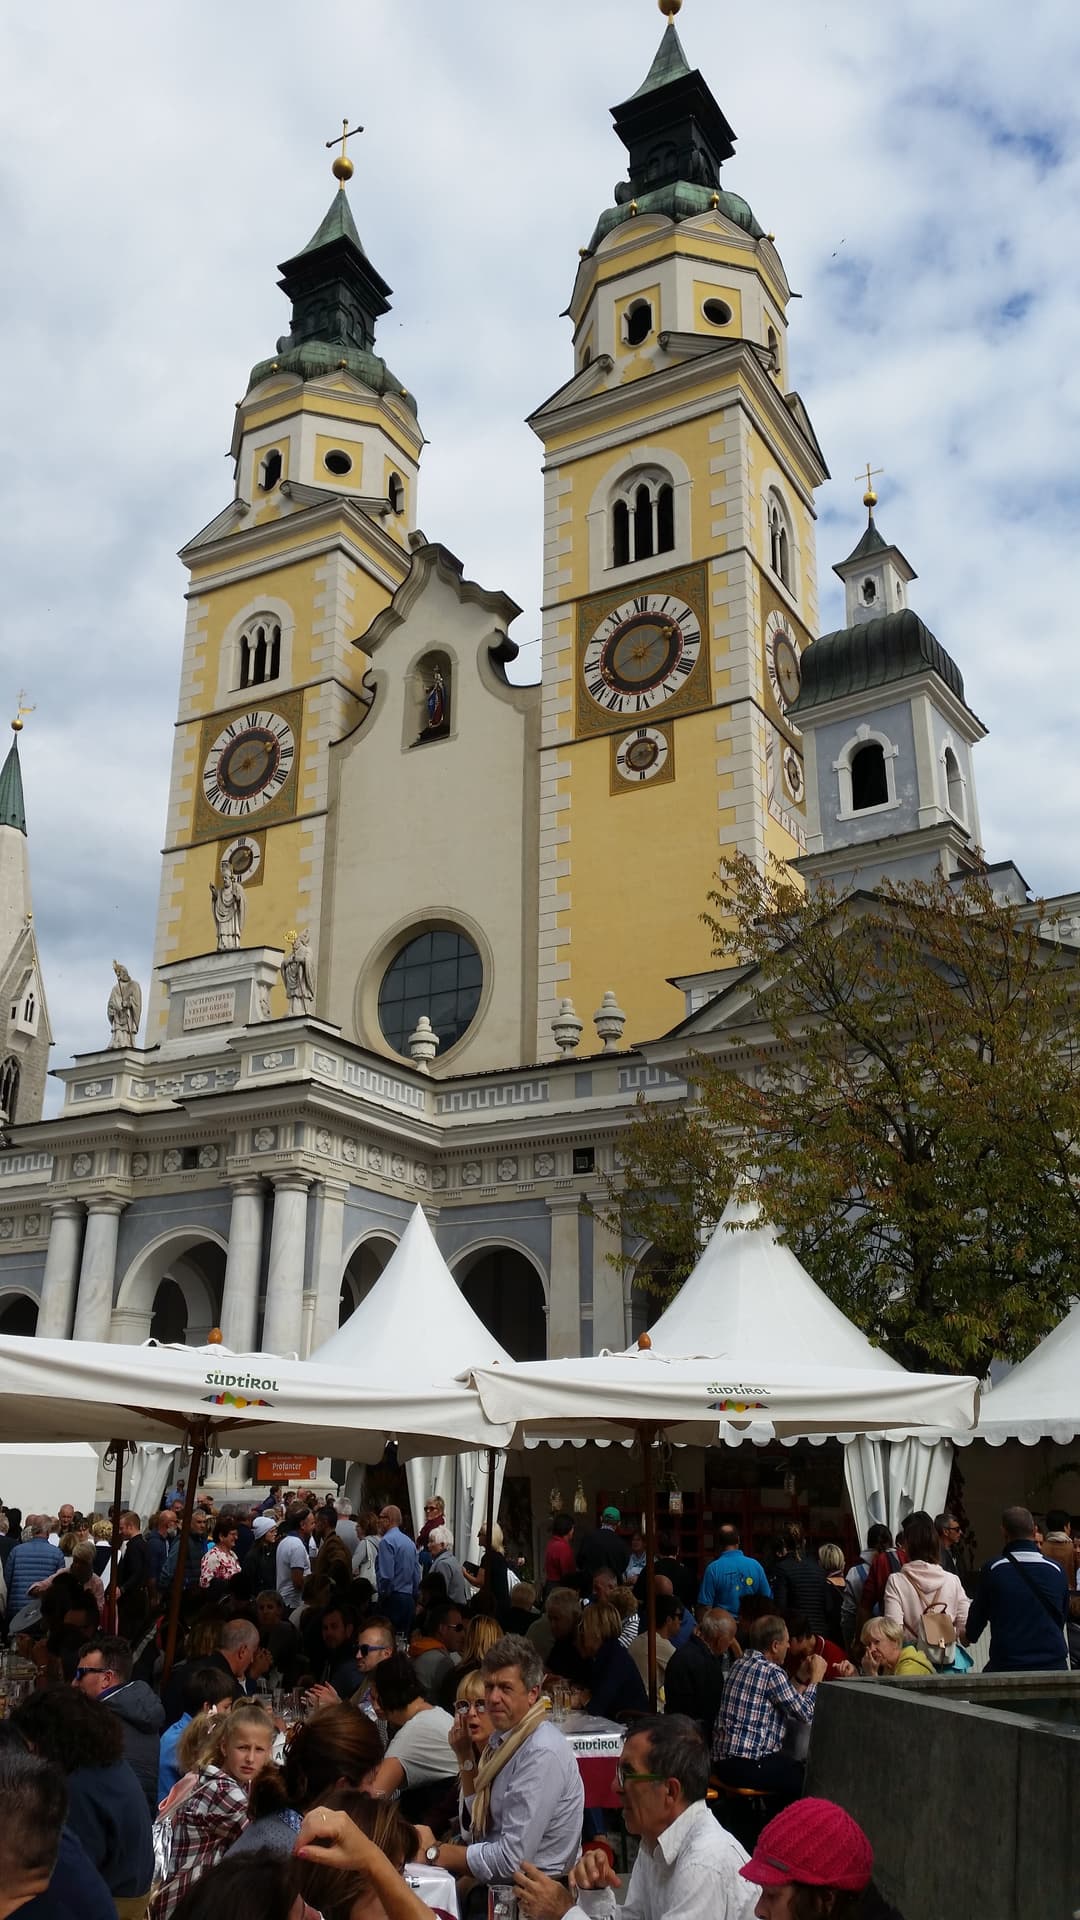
(642, 653)
(642, 755)
(793, 774)
(249, 763)
(782, 661)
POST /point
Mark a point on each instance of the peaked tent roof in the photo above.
(750, 1296)
(416, 1324)
(1039, 1399)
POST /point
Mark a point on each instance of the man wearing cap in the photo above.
(687, 1864)
(603, 1547)
(260, 1563)
(812, 1844)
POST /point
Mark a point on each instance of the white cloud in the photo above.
(919, 171)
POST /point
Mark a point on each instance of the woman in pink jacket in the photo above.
(922, 1585)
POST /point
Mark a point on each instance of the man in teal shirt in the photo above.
(732, 1575)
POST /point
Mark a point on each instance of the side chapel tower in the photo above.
(313, 545)
(25, 1036)
(679, 567)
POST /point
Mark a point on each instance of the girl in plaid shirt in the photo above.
(224, 1752)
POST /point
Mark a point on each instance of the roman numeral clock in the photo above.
(642, 660)
(247, 762)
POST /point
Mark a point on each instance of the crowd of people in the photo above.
(347, 1702)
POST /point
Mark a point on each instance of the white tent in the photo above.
(750, 1347)
(1040, 1398)
(416, 1330)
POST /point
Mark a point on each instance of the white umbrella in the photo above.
(1040, 1398)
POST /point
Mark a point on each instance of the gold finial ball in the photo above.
(16, 725)
(670, 7)
(869, 499)
(342, 168)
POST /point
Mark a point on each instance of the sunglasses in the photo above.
(81, 1672)
(363, 1649)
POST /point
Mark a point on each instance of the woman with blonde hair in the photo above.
(493, 1574)
(831, 1560)
(481, 1632)
(887, 1653)
(613, 1682)
(221, 1754)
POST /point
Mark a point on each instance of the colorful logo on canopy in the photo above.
(238, 1390)
(737, 1399)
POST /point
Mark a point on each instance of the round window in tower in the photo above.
(717, 313)
(337, 461)
(438, 973)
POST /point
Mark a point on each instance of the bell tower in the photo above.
(312, 546)
(679, 565)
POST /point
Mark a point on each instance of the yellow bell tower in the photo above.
(679, 567)
(312, 546)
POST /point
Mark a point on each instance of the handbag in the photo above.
(937, 1632)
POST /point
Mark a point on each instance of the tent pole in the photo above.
(118, 1449)
(490, 1497)
(198, 1446)
(646, 1436)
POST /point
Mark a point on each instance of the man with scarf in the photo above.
(524, 1800)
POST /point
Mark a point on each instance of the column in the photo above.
(564, 1286)
(282, 1318)
(609, 1312)
(97, 1275)
(57, 1309)
(329, 1239)
(243, 1265)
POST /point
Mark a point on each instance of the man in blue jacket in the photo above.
(1024, 1600)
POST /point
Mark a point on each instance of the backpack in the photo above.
(937, 1633)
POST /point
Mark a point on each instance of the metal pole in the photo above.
(490, 1522)
(198, 1447)
(118, 1449)
(646, 1436)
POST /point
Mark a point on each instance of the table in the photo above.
(597, 1745)
(436, 1887)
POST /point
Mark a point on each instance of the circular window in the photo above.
(440, 974)
(337, 462)
(717, 313)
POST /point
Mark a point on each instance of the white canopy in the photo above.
(749, 1346)
(88, 1390)
(1040, 1398)
(415, 1328)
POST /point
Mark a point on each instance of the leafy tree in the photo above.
(902, 1094)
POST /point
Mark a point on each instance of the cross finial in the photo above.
(342, 168)
(869, 498)
(20, 709)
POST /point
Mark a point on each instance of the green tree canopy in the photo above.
(902, 1094)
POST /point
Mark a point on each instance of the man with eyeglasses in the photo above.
(687, 1864)
(376, 1644)
(949, 1533)
(104, 1673)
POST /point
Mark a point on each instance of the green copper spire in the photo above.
(12, 808)
(671, 63)
(337, 225)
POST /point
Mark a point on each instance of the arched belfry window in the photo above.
(869, 780)
(260, 651)
(642, 518)
(954, 784)
(781, 541)
(9, 1087)
(270, 470)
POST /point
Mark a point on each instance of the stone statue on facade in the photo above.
(229, 908)
(124, 1009)
(298, 973)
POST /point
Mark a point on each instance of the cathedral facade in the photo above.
(396, 957)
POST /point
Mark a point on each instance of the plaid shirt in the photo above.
(204, 1826)
(758, 1698)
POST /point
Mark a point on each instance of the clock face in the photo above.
(642, 653)
(793, 774)
(642, 755)
(249, 763)
(782, 661)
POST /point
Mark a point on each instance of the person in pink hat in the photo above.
(812, 1861)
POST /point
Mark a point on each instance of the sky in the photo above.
(919, 166)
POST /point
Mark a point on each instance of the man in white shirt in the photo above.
(293, 1559)
(687, 1867)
